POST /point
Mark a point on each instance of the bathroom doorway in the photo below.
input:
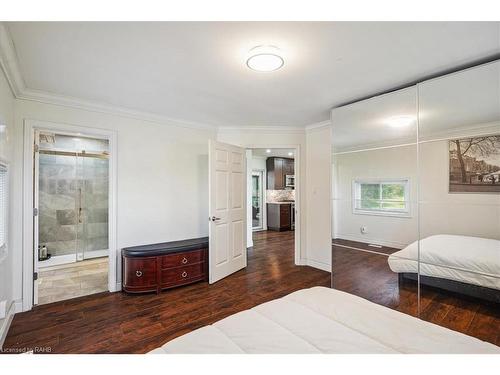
(71, 220)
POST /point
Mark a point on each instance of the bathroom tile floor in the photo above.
(67, 281)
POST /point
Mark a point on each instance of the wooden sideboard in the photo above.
(151, 268)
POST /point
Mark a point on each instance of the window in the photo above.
(3, 210)
(382, 197)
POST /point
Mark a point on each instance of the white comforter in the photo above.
(323, 320)
(471, 260)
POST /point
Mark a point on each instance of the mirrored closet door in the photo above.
(459, 200)
(374, 197)
(416, 200)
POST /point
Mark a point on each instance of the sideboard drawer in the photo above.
(181, 274)
(140, 272)
(182, 259)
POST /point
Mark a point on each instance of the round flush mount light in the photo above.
(400, 121)
(265, 59)
(268, 151)
(290, 154)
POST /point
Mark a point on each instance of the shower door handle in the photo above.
(80, 206)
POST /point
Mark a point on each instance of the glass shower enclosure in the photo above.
(73, 178)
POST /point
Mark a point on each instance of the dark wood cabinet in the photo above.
(277, 169)
(151, 268)
(279, 216)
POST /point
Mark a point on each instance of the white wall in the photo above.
(391, 163)
(469, 214)
(439, 212)
(259, 162)
(318, 180)
(162, 176)
(6, 155)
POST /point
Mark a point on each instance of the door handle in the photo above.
(213, 218)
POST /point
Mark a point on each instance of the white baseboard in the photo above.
(320, 265)
(4, 329)
(301, 262)
(377, 241)
(117, 287)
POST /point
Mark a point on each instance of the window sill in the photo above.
(406, 215)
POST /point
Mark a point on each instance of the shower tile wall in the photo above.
(60, 178)
(57, 204)
(94, 181)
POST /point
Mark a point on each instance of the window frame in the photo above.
(4, 247)
(356, 189)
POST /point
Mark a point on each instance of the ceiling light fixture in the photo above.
(290, 154)
(268, 151)
(265, 59)
(400, 121)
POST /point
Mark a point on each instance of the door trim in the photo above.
(28, 185)
(263, 222)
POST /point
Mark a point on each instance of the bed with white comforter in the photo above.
(323, 320)
(465, 259)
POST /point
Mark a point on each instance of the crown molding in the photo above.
(8, 62)
(92, 106)
(10, 65)
(318, 125)
(262, 129)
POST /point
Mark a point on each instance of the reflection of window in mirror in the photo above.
(384, 197)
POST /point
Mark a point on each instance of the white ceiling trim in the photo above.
(318, 125)
(10, 66)
(261, 129)
(8, 62)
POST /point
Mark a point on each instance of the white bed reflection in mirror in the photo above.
(459, 190)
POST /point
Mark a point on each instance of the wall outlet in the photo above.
(363, 229)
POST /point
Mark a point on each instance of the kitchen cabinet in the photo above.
(277, 169)
(279, 216)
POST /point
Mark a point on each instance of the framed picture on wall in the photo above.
(474, 165)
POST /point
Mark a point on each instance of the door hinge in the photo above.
(35, 276)
(35, 211)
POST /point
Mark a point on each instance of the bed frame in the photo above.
(469, 290)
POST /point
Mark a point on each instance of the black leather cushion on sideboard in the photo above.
(166, 247)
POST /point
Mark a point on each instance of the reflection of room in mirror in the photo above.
(422, 204)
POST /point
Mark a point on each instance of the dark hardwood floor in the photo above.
(368, 275)
(121, 323)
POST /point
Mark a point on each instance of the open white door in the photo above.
(227, 209)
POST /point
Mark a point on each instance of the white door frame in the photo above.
(300, 258)
(263, 208)
(28, 204)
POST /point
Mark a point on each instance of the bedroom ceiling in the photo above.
(196, 71)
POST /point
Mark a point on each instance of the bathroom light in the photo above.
(265, 59)
(268, 151)
(400, 121)
(290, 154)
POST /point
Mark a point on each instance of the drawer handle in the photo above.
(184, 274)
(138, 273)
(184, 260)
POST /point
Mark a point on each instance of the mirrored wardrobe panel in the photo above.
(416, 200)
(374, 187)
(459, 200)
